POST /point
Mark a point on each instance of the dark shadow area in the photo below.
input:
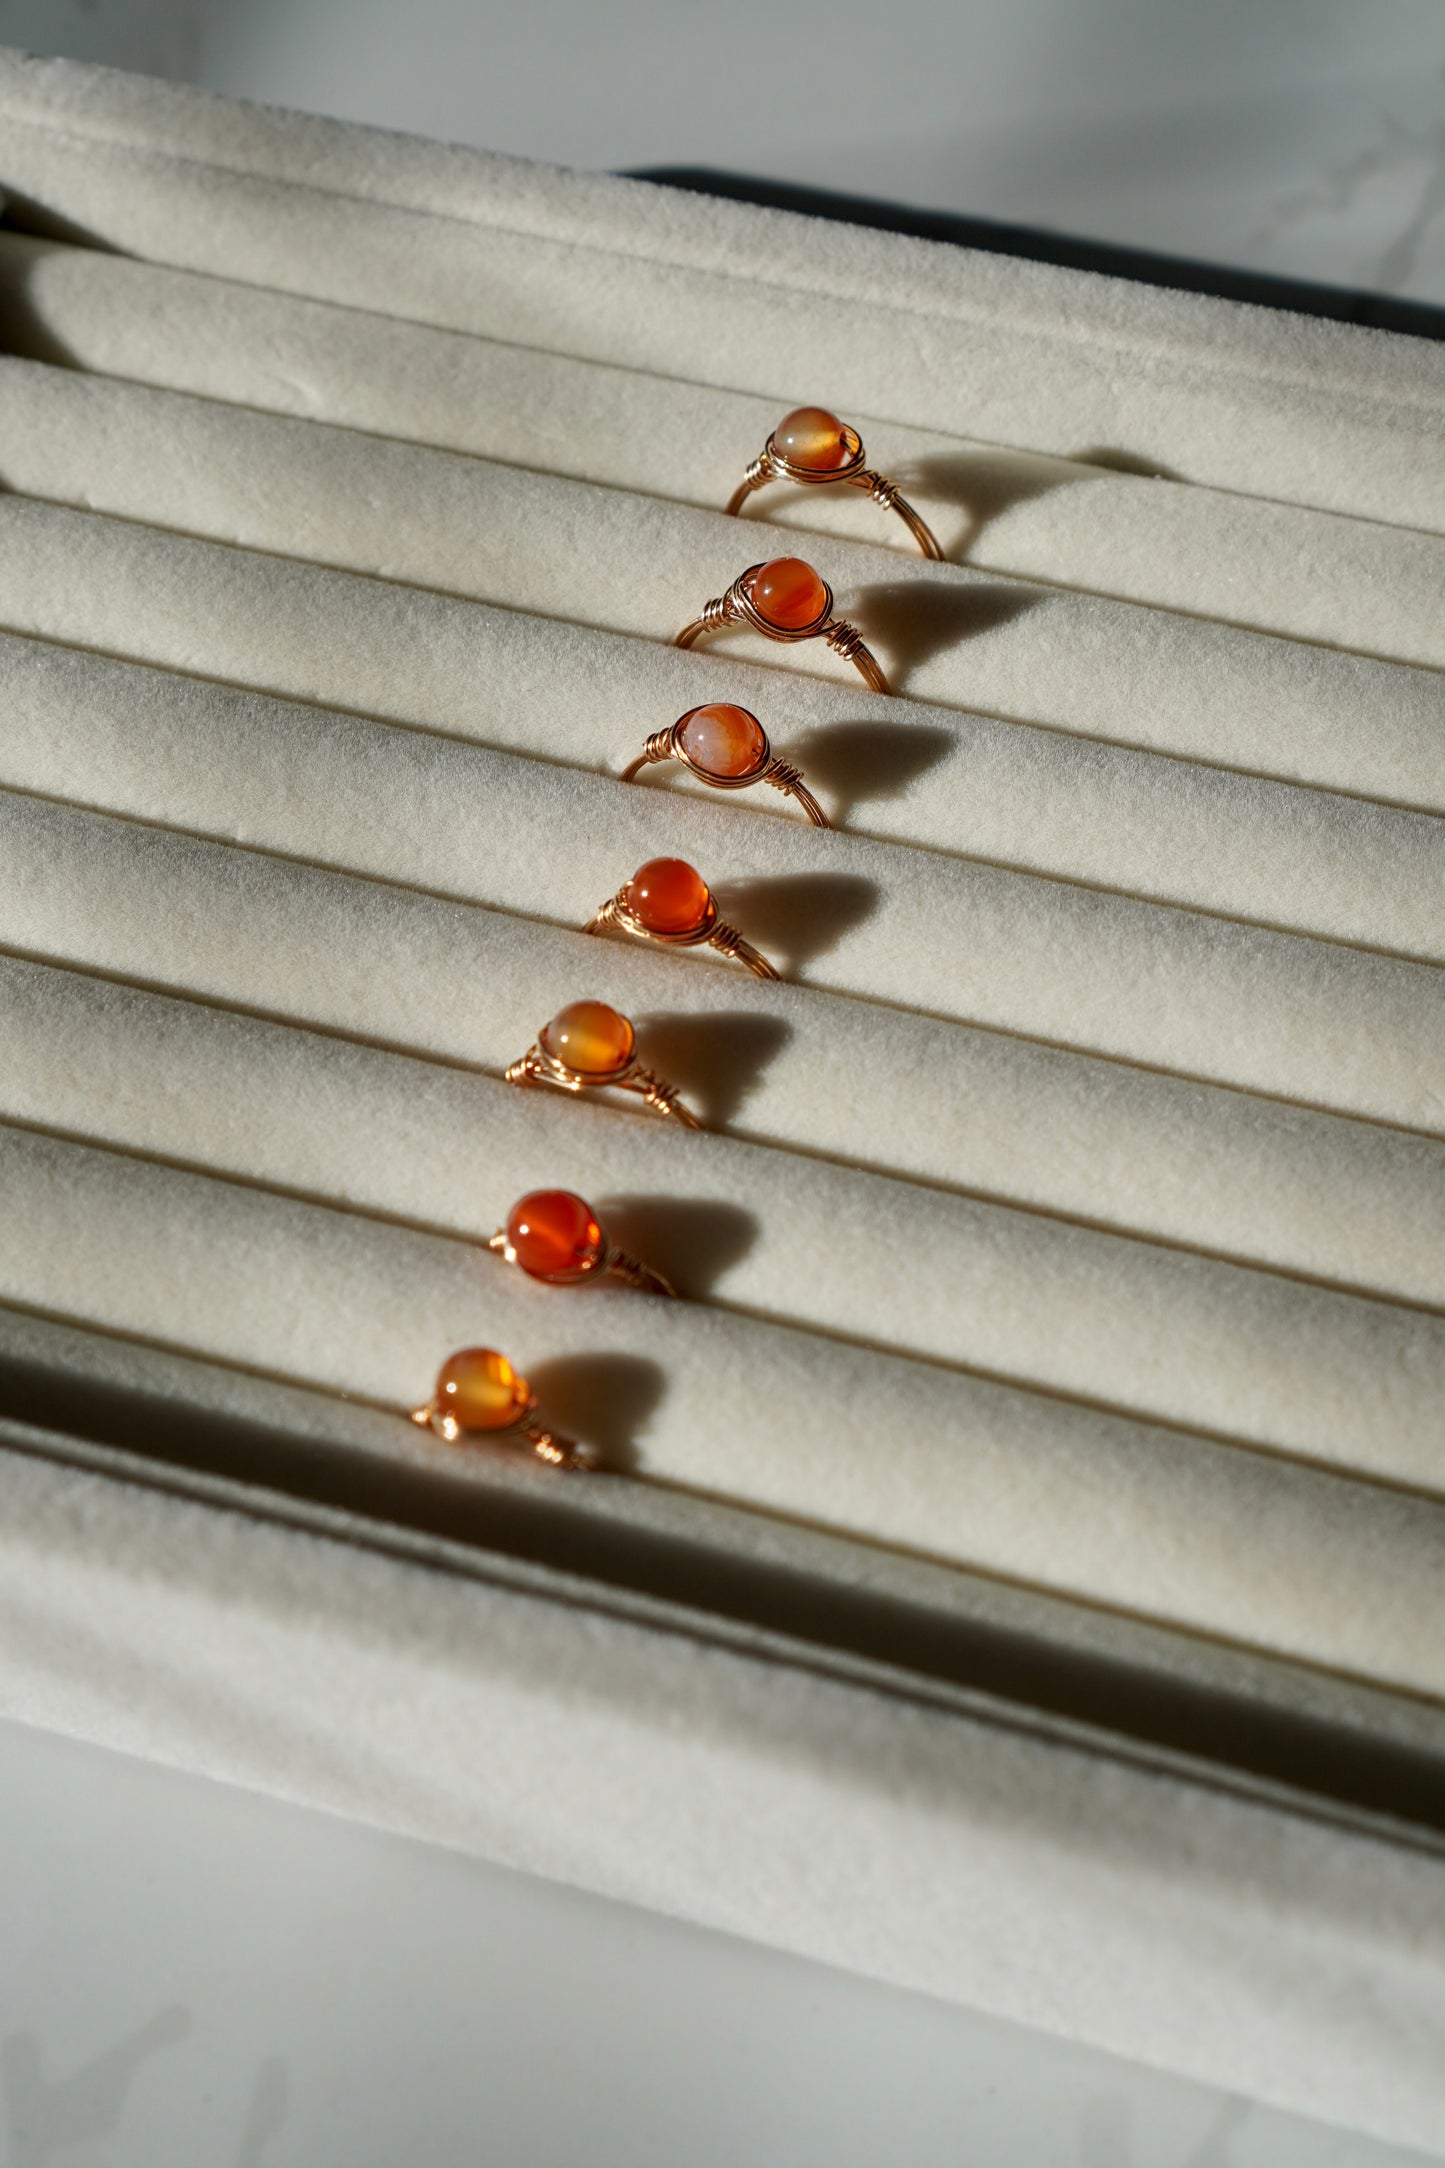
(23, 214)
(985, 484)
(690, 1240)
(602, 1401)
(1267, 290)
(795, 917)
(714, 1060)
(1147, 470)
(825, 1617)
(22, 330)
(910, 622)
(982, 484)
(853, 763)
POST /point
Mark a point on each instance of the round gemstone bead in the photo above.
(788, 593)
(589, 1037)
(723, 741)
(479, 1390)
(667, 895)
(813, 439)
(555, 1235)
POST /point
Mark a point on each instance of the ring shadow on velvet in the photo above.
(691, 1241)
(854, 763)
(713, 1059)
(985, 483)
(795, 917)
(23, 330)
(1116, 462)
(602, 1401)
(20, 213)
(914, 620)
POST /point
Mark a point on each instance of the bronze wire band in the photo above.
(771, 466)
(667, 745)
(712, 933)
(620, 1263)
(738, 607)
(548, 1445)
(537, 1066)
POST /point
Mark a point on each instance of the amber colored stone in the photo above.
(813, 439)
(667, 895)
(787, 593)
(589, 1037)
(555, 1235)
(723, 740)
(479, 1390)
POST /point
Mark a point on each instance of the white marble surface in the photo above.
(189, 1975)
(1303, 136)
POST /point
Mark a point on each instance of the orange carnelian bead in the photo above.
(667, 895)
(555, 1235)
(812, 438)
(479, 1390)
(723, 740)
(787, 593)
(589, 1037)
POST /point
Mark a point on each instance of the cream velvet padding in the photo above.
(1144, 538)
(1062, 1249)
(950, 1278)
(1193, 1926)
(1312, 1021)
(629, 563)
(1081, 810)
(447, 1494)
(1080, 1138)
(790, 308)
(1029, 1487)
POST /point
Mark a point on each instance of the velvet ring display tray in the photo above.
(1017, 1568)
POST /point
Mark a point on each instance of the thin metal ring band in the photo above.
(620, 1263)
(537, 1066)
(558, 1451)
(712, 933)
(548, 1445)
(771, 466)
(664, 745)
(737, 607)
(633, 1273)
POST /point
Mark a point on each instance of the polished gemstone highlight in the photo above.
(723, 741)
(479, 1390)
(589, 1037)
(813, 439)
(555, 1235)
(788, 594)
(668, 896)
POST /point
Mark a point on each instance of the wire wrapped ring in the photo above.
(810, 446)
(478, 1395)
(805, 612)
(591, 1047)
(727, 748)
(668, 901)
(554, 1235)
